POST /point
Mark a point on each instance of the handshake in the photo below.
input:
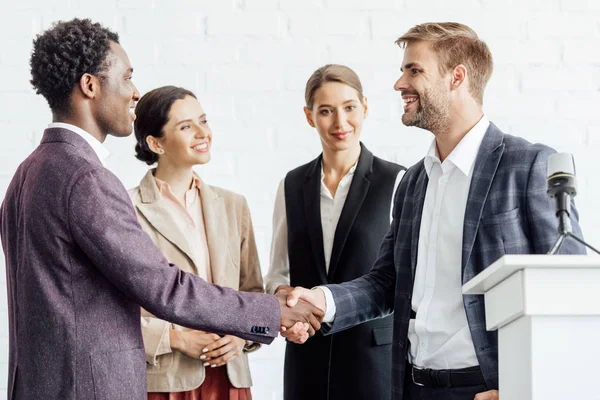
(302, 312)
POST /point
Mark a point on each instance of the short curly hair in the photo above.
(63, 53)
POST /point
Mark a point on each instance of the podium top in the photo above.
(509, 264)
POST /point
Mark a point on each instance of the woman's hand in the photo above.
(223, 350)
(191, 343)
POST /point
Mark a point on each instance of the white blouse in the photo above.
(331, 210)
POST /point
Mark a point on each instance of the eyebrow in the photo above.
(190, 119)
(411, 65)
(129, 70)
(346, 102)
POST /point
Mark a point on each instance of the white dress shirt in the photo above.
(331, 210)
(97, 146)
(439, 336)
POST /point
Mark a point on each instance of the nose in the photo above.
(340, 119)
(400, 84)
(136, 94)
(202, 131)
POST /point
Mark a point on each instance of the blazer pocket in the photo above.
(501, 218)
(164, 362)
(119, 375)
(383, 335)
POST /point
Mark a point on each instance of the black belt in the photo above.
(444, 377)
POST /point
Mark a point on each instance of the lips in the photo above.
(201, 147)
(341, 135)
(409, 100)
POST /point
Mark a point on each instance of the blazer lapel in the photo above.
(484, 170)
(356, 196)
(418, 202)
(157, 211)
(312, 209)
(217, 235)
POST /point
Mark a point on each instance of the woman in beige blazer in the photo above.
(202, 229)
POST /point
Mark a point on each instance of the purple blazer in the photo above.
(78, 269)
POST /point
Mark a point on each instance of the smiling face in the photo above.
(338, 114)
(425, 91)
(187, 137)
(117, 95)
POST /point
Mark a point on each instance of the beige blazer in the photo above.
(234, 263)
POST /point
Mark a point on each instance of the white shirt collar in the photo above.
(98, 148)
(464, 154)
(345, 181)
(349, 174)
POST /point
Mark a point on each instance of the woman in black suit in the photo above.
(329, 220)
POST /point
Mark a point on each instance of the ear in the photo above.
(309, 117)
(89, 85)
(365, 104)
(154, 145)
(458, 77)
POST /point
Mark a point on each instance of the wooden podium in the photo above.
(547, 313)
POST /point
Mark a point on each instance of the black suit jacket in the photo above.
(355, 364)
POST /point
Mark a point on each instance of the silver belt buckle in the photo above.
(412, 373)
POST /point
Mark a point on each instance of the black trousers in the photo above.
(415, 392)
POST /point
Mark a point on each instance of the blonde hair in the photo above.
(455, 44)
(331, 73)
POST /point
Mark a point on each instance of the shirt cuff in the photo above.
(329, 305)
(251, 346)
(165, 341)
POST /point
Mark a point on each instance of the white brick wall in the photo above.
(248, 61)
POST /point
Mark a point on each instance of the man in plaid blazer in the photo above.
(478, 194)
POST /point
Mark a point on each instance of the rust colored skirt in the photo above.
(216, 386)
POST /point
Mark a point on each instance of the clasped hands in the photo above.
(302, 312)
(211, 348)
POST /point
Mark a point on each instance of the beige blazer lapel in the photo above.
(156, 210)
(217, 232)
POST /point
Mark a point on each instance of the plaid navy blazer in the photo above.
(508, 212)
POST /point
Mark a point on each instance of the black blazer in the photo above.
(356, 363)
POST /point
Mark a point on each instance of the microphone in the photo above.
(562, 185)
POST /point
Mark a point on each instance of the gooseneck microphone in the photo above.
(562, 186)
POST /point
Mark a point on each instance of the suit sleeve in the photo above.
(541, 214)
(104, 225)
(250, 273)
(279, 270)
(156, 338)
(372, 295)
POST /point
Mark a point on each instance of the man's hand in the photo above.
(191, 343)
(298, 333)
(223, 350)
(315, 297)
(302, 311)
(284, 288)
(489, 395)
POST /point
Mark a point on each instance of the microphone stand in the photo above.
(564, 224)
